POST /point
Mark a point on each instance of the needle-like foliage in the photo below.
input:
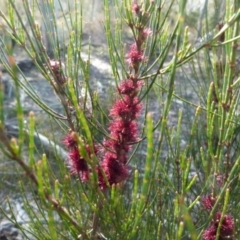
(155, 155)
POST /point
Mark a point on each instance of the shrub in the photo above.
(140, 167)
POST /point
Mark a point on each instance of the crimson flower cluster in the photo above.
(77, 164)
(208, 202)
(135, 55)
(123, 130)
(123, 127)
(227, 224)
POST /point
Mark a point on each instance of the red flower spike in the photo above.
(123, 127)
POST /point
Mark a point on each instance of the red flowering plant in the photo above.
(123, 127)
(131, 153)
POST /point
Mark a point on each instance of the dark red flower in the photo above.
(123, 131)
(135, 7)
(208, 202)
(69, 141)
(226, 228)
(127, 108)
(134, 55)
(114, 170)
(77, 162)
(210, 233)
(130, 87)
(78, 165)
